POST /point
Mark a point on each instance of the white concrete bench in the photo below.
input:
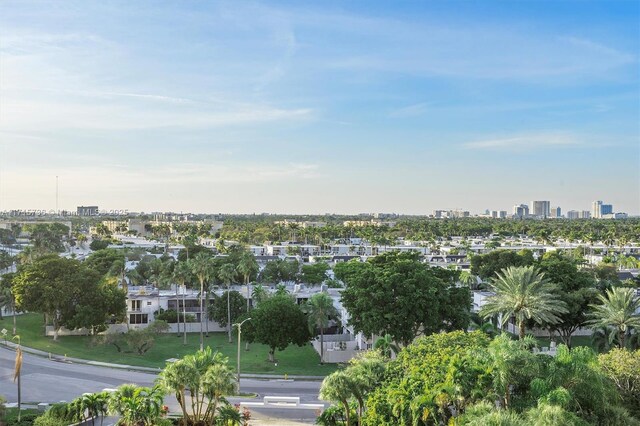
(295, 400)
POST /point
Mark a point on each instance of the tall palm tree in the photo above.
(338, 387)
(182, 275)
(616, 312)
(259, 294)
(202, 267)
(524, 293)
(206, 376)
(227, 274)
(247, 266)
(7, 299)
(319, 308)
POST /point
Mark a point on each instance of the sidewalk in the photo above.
(151, 370)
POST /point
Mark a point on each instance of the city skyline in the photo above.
(348, 108)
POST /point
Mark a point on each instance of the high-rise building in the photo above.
(541, 208)
(521, 210)
(87, 210)
(573, 214)
(596, 209)
(556, 212)
(585, 214)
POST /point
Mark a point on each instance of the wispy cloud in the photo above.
(414, 110)
(525, 142)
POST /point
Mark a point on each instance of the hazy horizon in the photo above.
(345, 107)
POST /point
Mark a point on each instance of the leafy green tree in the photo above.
(98, 244)
(622, 367)
(433, 373)
(487, 265)
(277, 322)
(617, 312)
(314, 273)
(65, 291)
(396, 294)
(47, 237)
(218, 307)
(319, 309)
(103, 261)
(576, 288)
(526, 294)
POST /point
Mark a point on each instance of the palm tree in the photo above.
(202, 267)
(227, 274)
(208, 379)
(319, 308)
(259, 294)
(95, 404)
(616, 312)
(137, 405)
(338, 387)
(181, 275)
(386, 346)
(524, 293)
(248, 267)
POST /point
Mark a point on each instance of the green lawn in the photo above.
(293, 360)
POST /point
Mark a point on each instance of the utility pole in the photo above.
(239, 325)
(57, 196)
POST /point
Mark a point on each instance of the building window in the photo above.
(149, 303)
(138, 319)
(135, 305)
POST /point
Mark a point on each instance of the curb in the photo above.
(57, 358)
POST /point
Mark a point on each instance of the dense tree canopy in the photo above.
(487, 265)
(277, 322)
(68, 293)
(396, 294)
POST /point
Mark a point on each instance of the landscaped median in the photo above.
(292, 361)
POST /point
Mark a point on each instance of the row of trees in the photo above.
(257, 230)
(469, 379)
(559, 294)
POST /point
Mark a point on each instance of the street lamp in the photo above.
(239, 325)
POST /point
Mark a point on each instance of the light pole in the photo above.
(239, 325)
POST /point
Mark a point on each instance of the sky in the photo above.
(317, 107)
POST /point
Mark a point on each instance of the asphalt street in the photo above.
(45, 380)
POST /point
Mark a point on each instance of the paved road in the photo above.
(49, 381)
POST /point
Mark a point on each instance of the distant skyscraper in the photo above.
(573, 214)
(521, 210)
(541, 208)
(585, 214)
(596, 209)
(556, 212)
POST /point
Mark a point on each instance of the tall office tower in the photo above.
(573, 214)
(585, 214)
(521, 210)
(596, 209)
(541, 208)
(606, 209)
(556, 212)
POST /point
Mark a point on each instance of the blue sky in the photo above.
(319, 106)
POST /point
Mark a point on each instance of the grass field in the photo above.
(293, 360)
